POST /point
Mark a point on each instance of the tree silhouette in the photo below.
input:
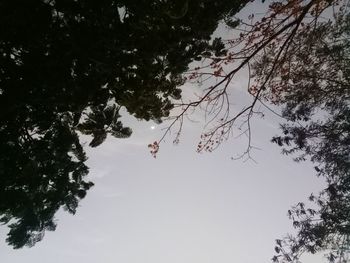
(68, 66)
(316, 104)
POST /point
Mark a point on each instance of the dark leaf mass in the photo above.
(68, 66)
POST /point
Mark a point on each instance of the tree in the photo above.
(297, 57)
(316, 102)
(66, 67)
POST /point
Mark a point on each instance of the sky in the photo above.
(182, 207)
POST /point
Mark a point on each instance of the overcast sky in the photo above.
(182, 207)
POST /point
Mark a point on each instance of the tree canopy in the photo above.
(66, 67)
(316, 104)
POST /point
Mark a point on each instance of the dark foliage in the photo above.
(68, 66)
(316, 102)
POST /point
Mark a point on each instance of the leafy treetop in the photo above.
(68, 66)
